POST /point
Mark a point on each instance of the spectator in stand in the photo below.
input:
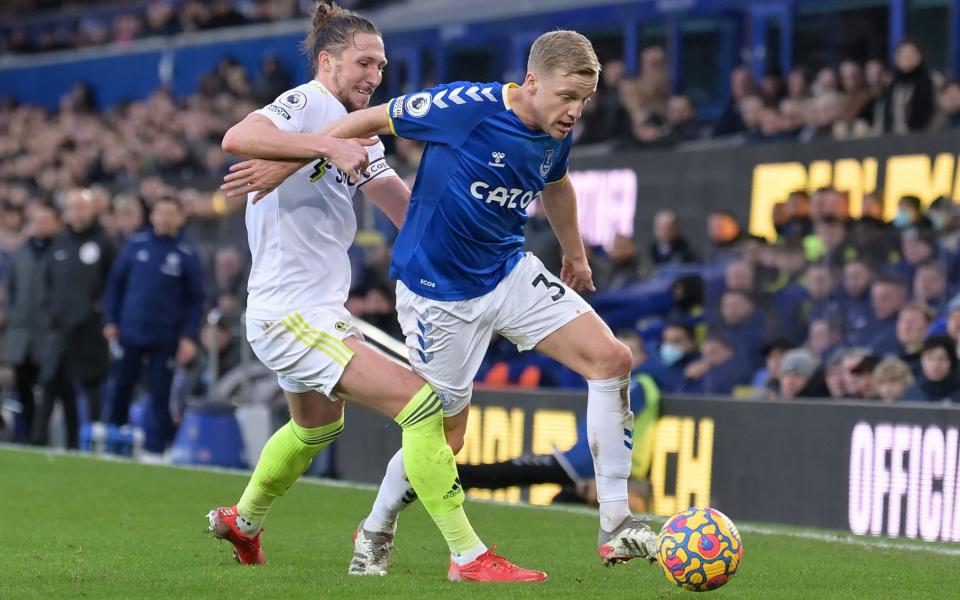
(858, 98)
(919, 246)
(669, 246)
(28, 321)
(862, 374)
(827, 81)
(821, 114)
(892, 378)
(875, 238)
(930, 285)
(798, 208)
(950, 104)
(820, 302)
(678, 349)
(878, 77)
(750, 109)
(731, 120)
(625, 264)
(909, 101)
(835, 374)
(682, 124)
(852, 381)
(741, 323)
(913, 322)
(768, 376)
(161, 19)
(939, 378)
(647, 94)
(854, 297)
(824, 336)
(800, 375)
(910, 214)
(887, 296)
(717, 371)
(772, 88)
(605, 118)
(725, 235)
(798, 85)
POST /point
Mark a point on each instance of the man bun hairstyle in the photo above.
(332, 29)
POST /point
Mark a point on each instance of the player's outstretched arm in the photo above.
(391, 195)
(362, 124)
(559, 202)
(257, 137)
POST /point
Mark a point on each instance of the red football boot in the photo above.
(246, 548)
(490, 567)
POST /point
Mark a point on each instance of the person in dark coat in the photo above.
(28, 324)
(909, 103)
(81, 259)
(939, 377)
(153, 309)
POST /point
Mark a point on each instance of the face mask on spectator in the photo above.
(937, 220)
(670, 354)
(902, 219)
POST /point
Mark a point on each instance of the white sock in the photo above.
(247, 526)
(469, 556)
(610, 433)
(395, 494)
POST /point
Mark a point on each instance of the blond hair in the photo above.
(563, 52)
(892, 368)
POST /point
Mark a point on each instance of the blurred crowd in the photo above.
(80, 192)
(835, 307)
(845, 101)
(126, 21)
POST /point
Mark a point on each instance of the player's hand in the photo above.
(258, 175)
(577, 274)
(110, 332)
(186, 351)
(350, 155)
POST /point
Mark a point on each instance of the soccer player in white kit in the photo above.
(492, 149)
(296, 321)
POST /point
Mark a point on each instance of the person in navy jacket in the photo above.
(153, 309)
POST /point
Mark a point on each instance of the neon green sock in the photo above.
(285, 458)
(428, 462)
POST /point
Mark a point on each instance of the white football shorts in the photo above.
(305, 348)
(447, 340)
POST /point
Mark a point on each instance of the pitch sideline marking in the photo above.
(818, 536)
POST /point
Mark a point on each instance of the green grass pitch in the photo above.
(73, 527)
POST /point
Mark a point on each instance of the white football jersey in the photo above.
(300, 232)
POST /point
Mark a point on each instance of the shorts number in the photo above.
(541, 278)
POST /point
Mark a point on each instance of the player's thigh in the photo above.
(539, 311)
(308, 352)
(587, 346)
(375, 381)
(446, 342)
(311, 409)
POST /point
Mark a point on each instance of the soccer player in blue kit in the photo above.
(491, 150)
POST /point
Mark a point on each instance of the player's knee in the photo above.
(613, 361)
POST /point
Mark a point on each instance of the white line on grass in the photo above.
(813, 535)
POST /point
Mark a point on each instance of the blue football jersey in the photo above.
(481, 169)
